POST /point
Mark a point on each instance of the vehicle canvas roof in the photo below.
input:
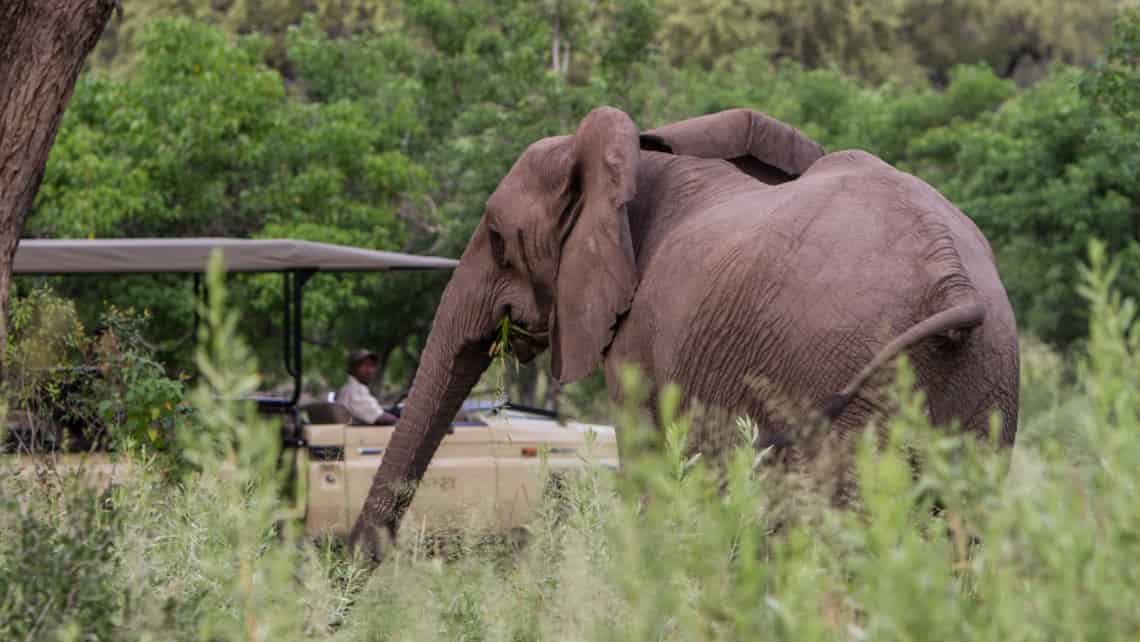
(190, 255)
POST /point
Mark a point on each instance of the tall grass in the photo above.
(1042, 547)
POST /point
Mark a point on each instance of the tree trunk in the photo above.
(556, 45)
(43, 44)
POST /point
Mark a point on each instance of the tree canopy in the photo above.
(387, 125)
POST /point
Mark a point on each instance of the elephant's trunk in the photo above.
(455, 356)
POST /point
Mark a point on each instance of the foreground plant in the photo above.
(671, 548)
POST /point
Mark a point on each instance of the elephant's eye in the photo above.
(498, 247)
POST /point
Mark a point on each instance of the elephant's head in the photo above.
(553, 254)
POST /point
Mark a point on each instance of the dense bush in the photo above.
(60, 569)
(43, 341)
(669, 551)
(71, 389)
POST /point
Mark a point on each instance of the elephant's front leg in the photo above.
(629, 355)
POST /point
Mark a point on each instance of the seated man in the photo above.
(356, 396)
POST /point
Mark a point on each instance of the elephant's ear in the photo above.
(597, 273)
(756, 143)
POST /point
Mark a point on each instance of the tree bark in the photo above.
(43, 44)
(556, 45)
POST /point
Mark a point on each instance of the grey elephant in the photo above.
(711, 252)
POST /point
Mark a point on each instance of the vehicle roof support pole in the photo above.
(198, 295)
(287, 307)
(294, 289)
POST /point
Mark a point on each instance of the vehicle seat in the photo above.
(327, 412)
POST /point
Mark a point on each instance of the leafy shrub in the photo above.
(59, 567)
(672, 548)
(75, 390)
(44, 339)
(143, 408)
(1115, 82)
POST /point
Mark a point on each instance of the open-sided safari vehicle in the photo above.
(486, 473)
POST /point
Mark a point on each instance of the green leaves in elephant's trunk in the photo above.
(505, 331)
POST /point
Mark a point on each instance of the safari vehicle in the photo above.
(486, 473)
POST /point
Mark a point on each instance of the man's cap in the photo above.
(356, 356)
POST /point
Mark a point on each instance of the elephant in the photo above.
(707, 252)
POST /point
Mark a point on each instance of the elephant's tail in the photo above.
(954, 324)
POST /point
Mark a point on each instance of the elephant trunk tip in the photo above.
(834, 405)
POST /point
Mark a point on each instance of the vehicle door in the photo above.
(519, 440)
(533, 451)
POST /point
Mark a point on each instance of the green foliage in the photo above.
(877, 40)
(79, 390)
(44, 333)
(1018, 38)
(204, 139)
(1042, 177)
(120, 43)
(45, 351)
(672, 548)
(888, 39)
(238, 454)
(867, 38)
(142, 408)
(207, 141)
(1116, 81)
(59, 567)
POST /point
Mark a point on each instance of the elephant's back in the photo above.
(852, 225)
(885, 231)
(822, 271)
